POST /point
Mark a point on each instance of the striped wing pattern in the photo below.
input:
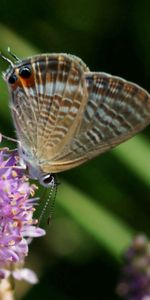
(116, 110)
(65, 114)
(62, 105)
(47, 108)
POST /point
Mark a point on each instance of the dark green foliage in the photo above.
(100, 205)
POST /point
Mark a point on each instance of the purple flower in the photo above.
(135, 281)
(17, 225)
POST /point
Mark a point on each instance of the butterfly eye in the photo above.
(25, 72)
(47, 180)
(12, 79)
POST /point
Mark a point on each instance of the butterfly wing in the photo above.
(65, 115)
(116, 110)
(47, 106)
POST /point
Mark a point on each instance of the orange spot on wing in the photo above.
(24, 82)
(27, 82)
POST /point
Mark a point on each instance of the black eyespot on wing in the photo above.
(12, 79)
(25, 71)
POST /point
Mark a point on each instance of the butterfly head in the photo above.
(27, 160)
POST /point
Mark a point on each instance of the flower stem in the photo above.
(6, 290)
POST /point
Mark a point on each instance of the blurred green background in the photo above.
(102, 204)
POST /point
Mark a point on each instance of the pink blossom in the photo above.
(17, 225)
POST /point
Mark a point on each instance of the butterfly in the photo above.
(65, 115)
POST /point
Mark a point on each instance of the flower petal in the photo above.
(25, 274)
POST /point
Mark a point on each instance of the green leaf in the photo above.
(136, 155)
(105, 227)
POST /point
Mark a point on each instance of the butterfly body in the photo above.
(65, 115)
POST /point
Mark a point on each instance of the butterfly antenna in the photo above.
(13, 55)
(53, 202)
(48, 200)
(6, 59)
